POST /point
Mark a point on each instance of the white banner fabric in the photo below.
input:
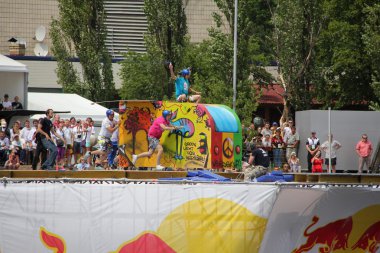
(122, 218)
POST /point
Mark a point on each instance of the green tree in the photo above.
(80, 31)
(371, 39)
(297, 27)
(165, 42)
(213, 58)
(343, 69)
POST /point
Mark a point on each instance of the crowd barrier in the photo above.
(120, 215)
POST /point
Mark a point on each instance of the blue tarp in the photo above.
(275, 176)
(199, 175)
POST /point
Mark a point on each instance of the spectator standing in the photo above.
(27, 143)
(335, 145)
(61, 144)
(30, 139)
(7, 105)
(364, 151)
(3, 128)
(312, 146)
(277, 145)
(291, 141)
(317, 162)
(86, 129)
(267, 145)
(266, 130)
(274, 128)
(44, 128)
(56, 121)
(69, 138)
(16, 105)
(77, 133)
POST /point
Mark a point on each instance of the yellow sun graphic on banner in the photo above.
(212, 225)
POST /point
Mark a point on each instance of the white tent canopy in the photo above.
(79, 107)
(14, 79)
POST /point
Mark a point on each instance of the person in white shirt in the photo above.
(77, 133)
(27, 144)
(7, 105)
(69, 138)
(292, 141)
(335, 145)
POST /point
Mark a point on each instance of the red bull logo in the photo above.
(330, 237)
(359, 233)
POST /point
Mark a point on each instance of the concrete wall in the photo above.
(42, 73)
(20, 18)
(346, 127)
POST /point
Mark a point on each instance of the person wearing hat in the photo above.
(7, 105)
(273, 128)
(312, 147)
(182, 86)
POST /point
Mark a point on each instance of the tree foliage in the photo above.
(343, 70)
(165, 42)
(213, 58)
(371, 38)
(80, 31)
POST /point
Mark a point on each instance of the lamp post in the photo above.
(235, 56)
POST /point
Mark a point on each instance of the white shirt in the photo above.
(7, 104)
(24, 133)
(104, 132)
(4, 143)
(334, 147)
(77, 132)
(67, 132)
(87, 134)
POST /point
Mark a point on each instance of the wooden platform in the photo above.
(144, 175)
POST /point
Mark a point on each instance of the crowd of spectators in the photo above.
(282, 144)
(21, 144)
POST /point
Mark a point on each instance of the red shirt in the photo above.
(317, 165)
(155, 130)
(364, 148)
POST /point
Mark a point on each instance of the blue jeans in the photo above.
(112, 154)
(53, 151)
(277, 157)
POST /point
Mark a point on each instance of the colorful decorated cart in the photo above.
(210, 135)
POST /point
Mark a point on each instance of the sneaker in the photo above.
(134, 159)
(159, 167)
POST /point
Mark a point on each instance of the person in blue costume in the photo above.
(182, 86)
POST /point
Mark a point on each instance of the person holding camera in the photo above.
(182, 86)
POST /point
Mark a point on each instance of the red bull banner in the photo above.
(127, 218)
(324, 220)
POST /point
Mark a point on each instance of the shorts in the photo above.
(188, 98)
(333, 161)
(153, 142)
(77, 148)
